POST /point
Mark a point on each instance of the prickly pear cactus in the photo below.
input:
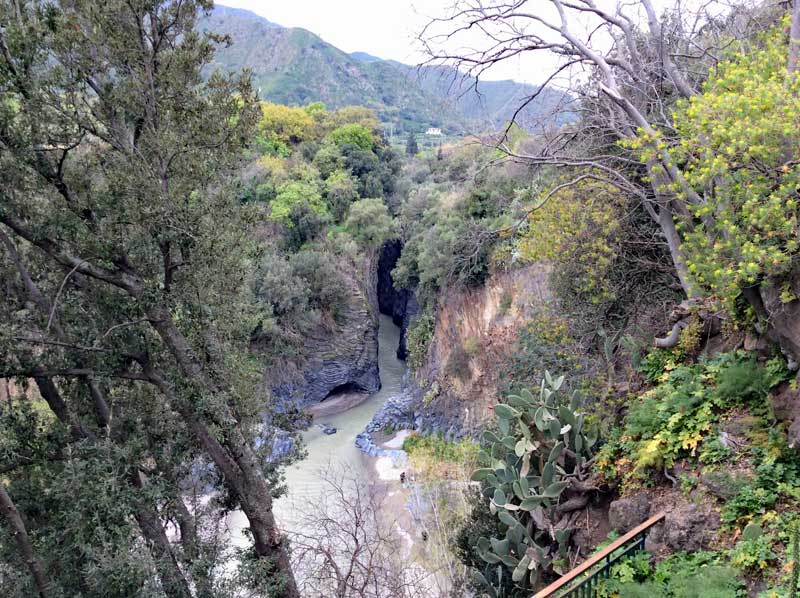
(536, 485)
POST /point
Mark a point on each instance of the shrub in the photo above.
(739, 136)
(418, 338)
(436, 458)
(304, 225)
(369, 223)
(326, 287)
(543, 444)
(672, 419)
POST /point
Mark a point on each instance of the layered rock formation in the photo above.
(342, 358)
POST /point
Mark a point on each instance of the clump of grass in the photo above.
(433, 457)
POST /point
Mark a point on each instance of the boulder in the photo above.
(786, 405)
(626, 513)
(690, 528)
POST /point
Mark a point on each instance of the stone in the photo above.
(786, 406)
(400, 304)
(690, 528)
(343, 357)
(626, 513)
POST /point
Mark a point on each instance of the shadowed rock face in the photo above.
(400, 304)
(346, 357)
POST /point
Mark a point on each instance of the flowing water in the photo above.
(303, 478)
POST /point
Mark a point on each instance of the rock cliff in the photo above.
(475, 334)
(339, 358)
(400, 304)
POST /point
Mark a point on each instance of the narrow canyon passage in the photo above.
(303, 478)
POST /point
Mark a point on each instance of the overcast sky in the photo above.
(383, 28)
(388, 28)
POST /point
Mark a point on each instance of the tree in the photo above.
(412, 149)
(345, 546)
(294, 194)
(737, 142)
(287, 124)
(369, 223)
(631, 83)
(353, 134)
(635, 74)
(340, 192)
(117, 167)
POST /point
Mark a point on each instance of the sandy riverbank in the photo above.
(337, 404)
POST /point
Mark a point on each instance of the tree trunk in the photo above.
(172, 580)
(238, 464)
(667, 223)
(24, 545)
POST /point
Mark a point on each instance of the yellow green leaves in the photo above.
(580, 224)
(740, 152)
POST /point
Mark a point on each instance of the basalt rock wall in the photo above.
(341, 356)
(400, 304)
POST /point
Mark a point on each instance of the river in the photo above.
(303, 478)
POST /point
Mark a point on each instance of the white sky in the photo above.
(383, 28)
(388, 28)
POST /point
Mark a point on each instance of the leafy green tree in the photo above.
(326, 287)
(341, 191)
(294, 194)
(284, 123)
(369, 223)
(353, 134)
(117, 167)
(738, 142)
(328, 159)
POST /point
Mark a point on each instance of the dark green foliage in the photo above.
(305, 226)
(412, 149)
(675, 418)
(324, 284)
(369, 223)
(698, 575)
(418, 338)
(479, 523)
(124, 256)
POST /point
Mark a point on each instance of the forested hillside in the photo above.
(249, 347)
(295, 67)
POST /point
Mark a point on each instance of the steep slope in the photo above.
(493, 102)
(294, 66)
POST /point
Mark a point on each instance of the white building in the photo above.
(434, 131)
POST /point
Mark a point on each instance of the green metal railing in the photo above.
(583, 580)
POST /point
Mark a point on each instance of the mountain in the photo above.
(293, 66)
(364, 57)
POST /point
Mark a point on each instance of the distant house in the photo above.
(434, 132)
